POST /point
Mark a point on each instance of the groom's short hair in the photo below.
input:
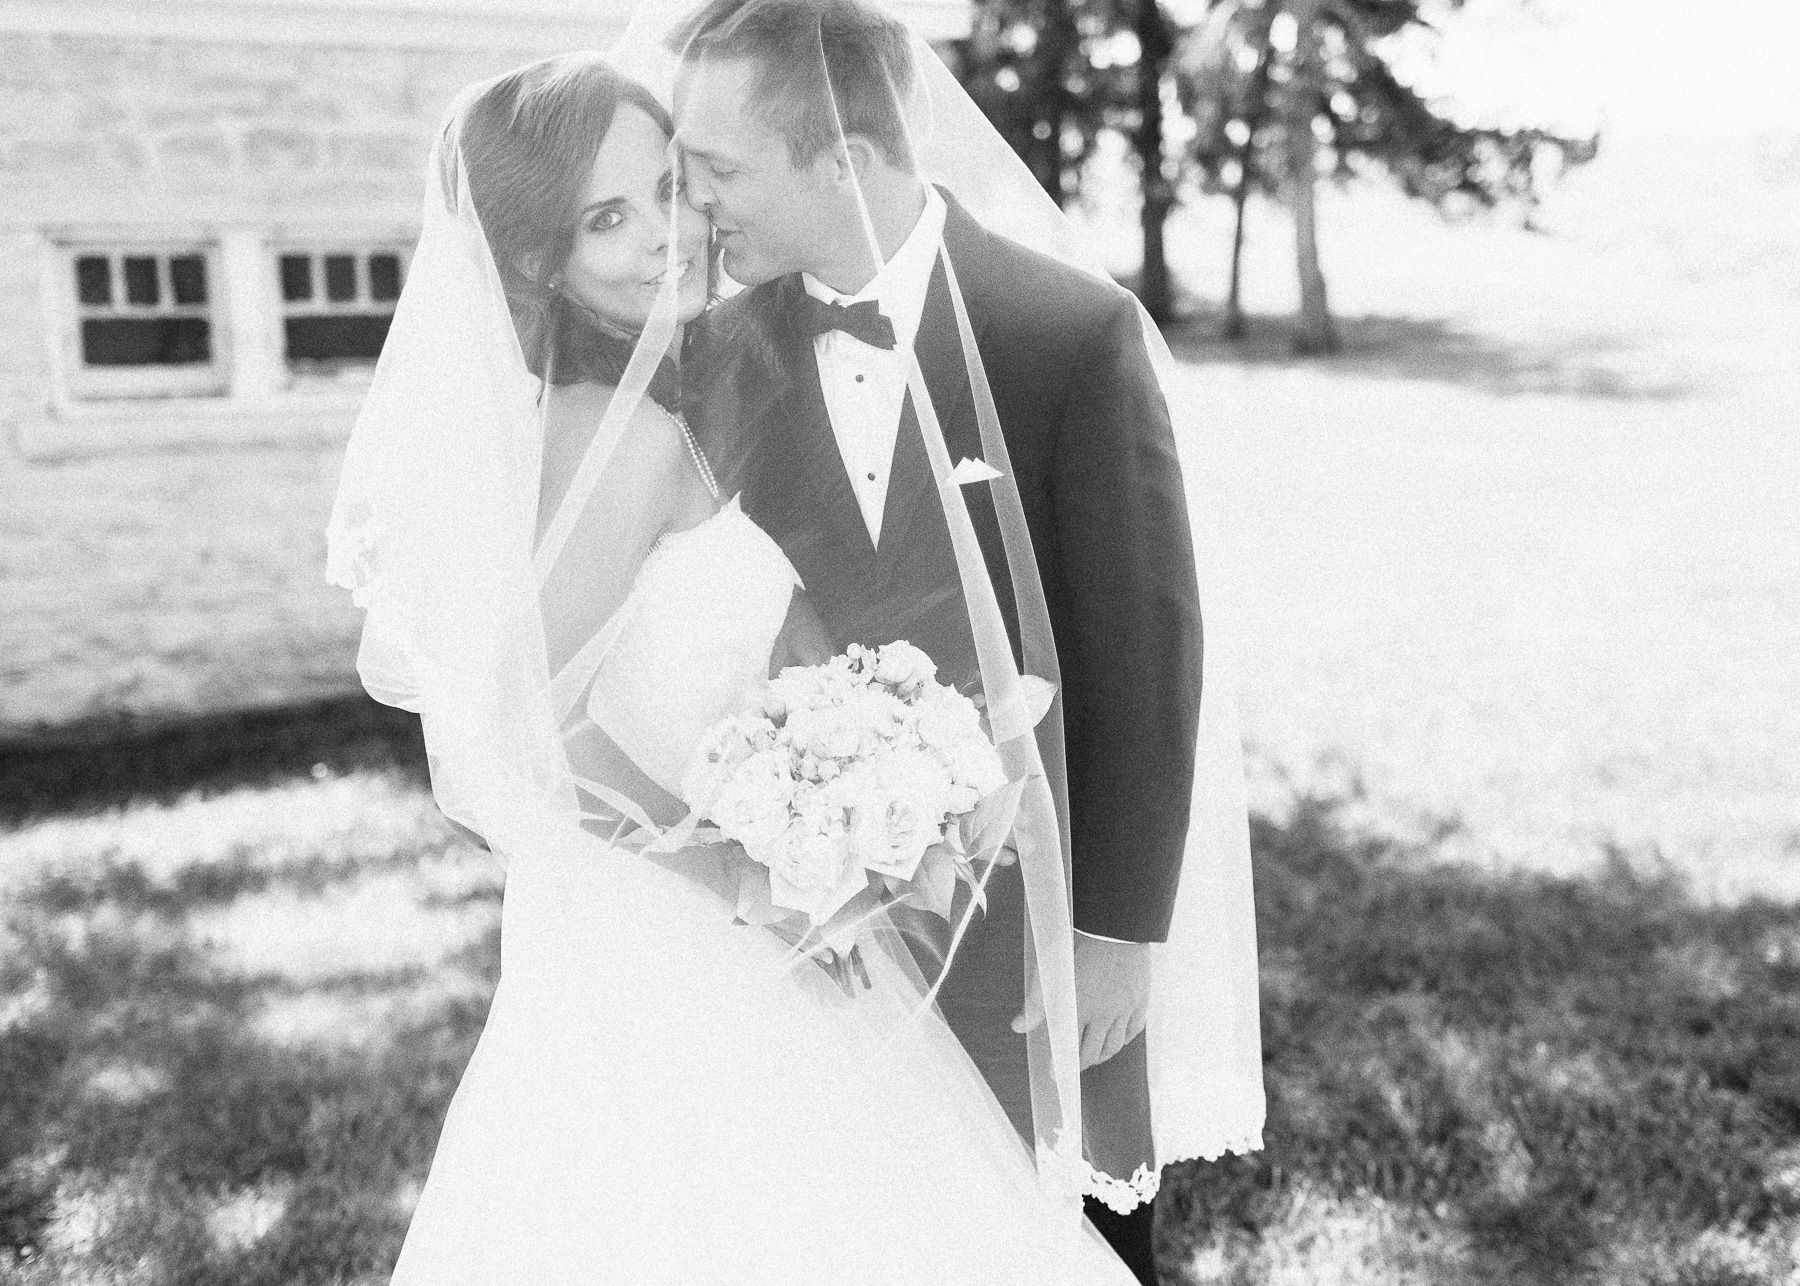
(866, 65)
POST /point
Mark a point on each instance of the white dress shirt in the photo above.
(865, 386)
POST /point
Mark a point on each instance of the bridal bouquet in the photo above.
(850, 784)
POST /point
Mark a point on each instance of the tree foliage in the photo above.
(1038, 71)
(1284, 91)
(1053, 75)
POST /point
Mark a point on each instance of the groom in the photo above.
(798, 387)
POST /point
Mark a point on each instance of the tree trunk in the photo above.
(1254, 114)
(1058, 42)
(1153, 44)
(1315, 331)
(1234, 307)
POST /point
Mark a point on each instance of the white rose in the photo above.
(812, 873)
(945, 720)
(824, 734)
(724, 747)
(976, 764)
(903, 665)
(889, 835)
(752, 806)
(819, 807)
(917, 776)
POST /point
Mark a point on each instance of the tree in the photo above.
(1052, 75)
(1029, 65)
(1155, 42)
(1274, 86)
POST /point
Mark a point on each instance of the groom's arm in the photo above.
(1129, 635)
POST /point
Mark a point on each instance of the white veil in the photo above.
(496, 601)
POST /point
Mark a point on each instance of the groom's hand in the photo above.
(1112, 997)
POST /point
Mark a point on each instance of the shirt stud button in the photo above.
(871, 477)
(859, 379)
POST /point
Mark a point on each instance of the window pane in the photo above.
(187, 278)
(384, 277)
(348, 338)
(93, 280)
(140, 280)
(340, 278)
(296, 278)
(146, 341)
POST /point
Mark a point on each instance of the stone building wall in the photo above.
(161, 556)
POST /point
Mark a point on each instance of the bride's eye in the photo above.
(605, 221)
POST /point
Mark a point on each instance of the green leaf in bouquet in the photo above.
(985, 827)
(1020, 710)
(934, 883)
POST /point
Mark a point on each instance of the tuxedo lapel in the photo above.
(801, 457)
(910, 497)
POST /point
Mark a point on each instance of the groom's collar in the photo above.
(900, 287)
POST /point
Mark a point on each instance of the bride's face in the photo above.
(622, 228)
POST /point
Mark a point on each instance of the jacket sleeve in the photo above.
(1129, 636)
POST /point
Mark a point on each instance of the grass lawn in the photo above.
(237, 992)
(1527, 554)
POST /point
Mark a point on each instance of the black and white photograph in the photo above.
(899, 643)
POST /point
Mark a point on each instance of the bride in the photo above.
(674, 1084)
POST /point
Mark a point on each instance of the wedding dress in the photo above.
(660, 1096)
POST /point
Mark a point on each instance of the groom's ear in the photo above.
(855, 160)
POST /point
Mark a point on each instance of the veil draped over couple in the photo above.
(773, 512)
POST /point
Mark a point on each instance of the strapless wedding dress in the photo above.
(659, 1098)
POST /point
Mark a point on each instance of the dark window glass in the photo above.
(146, 341)
(140, 280)
(336, 339)
(340, 278)
(296, 278)
(93, 279)
(384, 277)
(187, 277)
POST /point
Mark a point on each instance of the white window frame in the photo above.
(111, 384)
(250, 396)
(361, 248)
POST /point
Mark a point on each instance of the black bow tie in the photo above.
(864, 320)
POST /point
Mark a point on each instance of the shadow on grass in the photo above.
(143, 1105)
(105, 762)
(157, 1120)
(1435, 350)
(1563, 1076)
(1549, 1080)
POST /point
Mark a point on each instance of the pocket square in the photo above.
(968, 471)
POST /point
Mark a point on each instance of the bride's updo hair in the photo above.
(528, 144)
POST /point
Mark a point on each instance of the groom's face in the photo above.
(769, 214)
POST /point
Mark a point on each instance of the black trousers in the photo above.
(1130, 1235)
(979, 999)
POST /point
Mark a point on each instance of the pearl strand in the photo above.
(700, 461)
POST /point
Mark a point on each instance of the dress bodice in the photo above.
(694, 633)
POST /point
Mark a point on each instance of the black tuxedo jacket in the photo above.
(1094, 458)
